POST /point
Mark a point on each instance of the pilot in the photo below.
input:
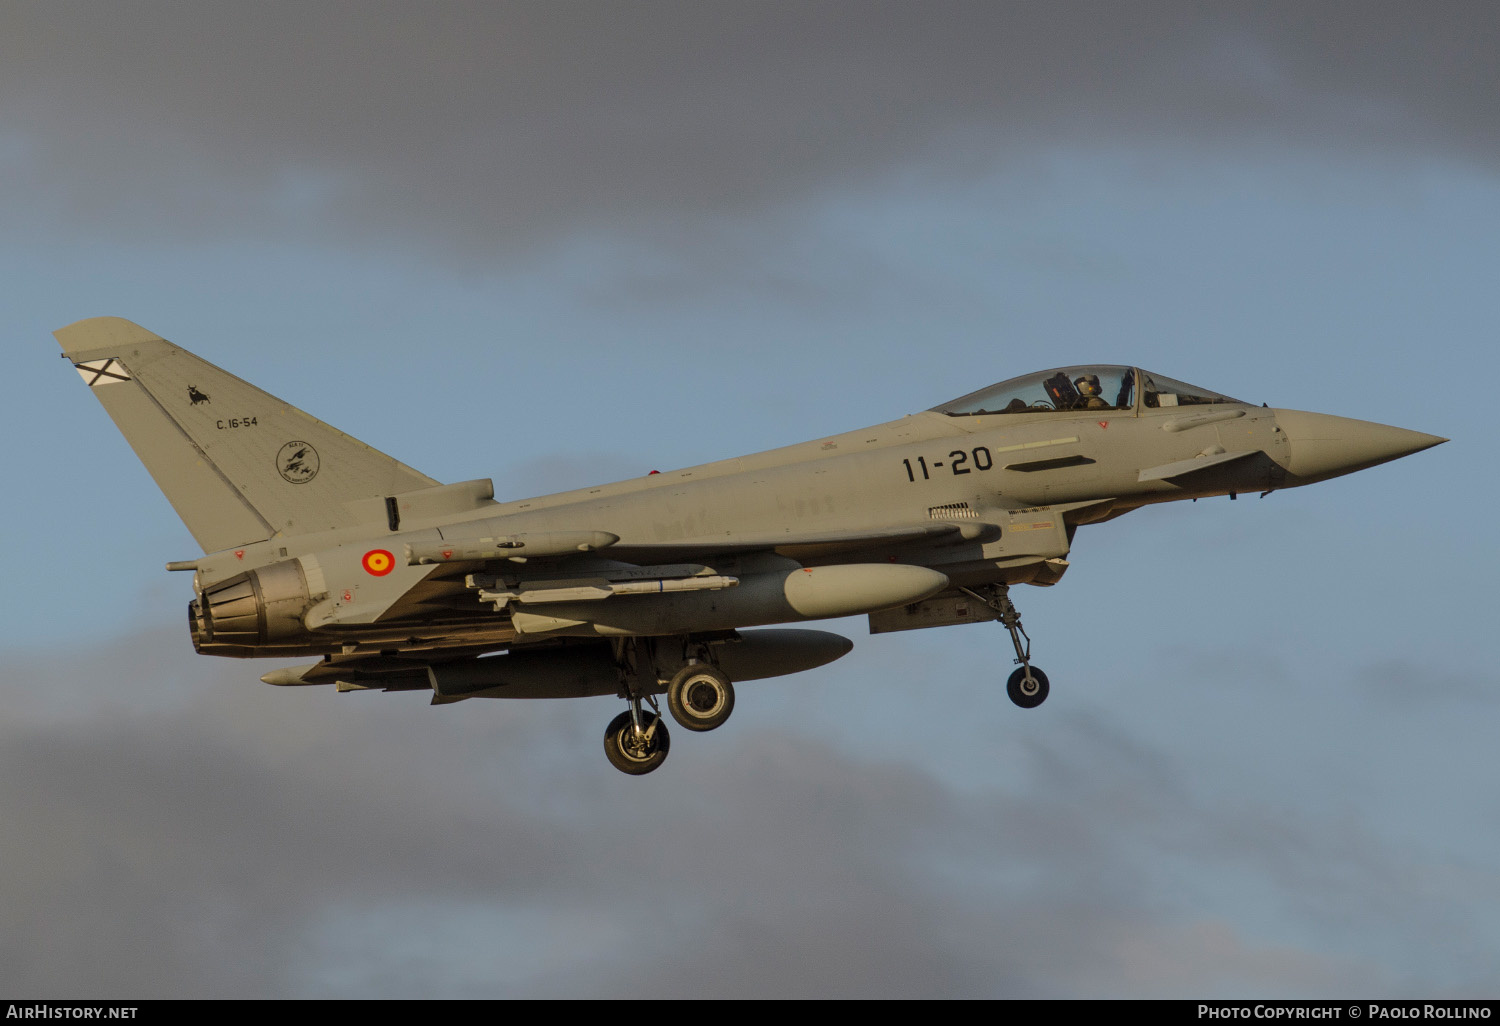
(1090, 395)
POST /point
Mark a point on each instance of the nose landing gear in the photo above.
(1027, 686)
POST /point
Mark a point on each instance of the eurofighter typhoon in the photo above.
(316, 545)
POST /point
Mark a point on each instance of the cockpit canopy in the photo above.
(1100, 387)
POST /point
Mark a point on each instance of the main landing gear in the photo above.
(636, 742)
(699, 697)
(1027, 686)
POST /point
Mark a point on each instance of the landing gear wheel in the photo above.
(1028, 694)
(636, 755)
(700, 697)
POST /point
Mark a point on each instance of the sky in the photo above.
(562, 243)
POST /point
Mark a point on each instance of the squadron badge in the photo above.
(297, 462)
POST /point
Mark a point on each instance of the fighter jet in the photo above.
(316, 545)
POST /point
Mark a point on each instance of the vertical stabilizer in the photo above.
(237, 464)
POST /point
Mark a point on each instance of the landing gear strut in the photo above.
(1027, 686)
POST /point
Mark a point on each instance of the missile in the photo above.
(507, 546)
(806, 593)
(584, 590)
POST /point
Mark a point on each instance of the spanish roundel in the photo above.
(378, 562)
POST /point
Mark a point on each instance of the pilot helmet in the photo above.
(1088, 385)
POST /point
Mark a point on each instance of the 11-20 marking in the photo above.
(956, 460)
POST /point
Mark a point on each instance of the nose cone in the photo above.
(1323, 446)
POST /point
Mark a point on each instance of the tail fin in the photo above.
(238, 465)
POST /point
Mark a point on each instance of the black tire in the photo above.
(1027, 697)
(700, 697)
(628, 757)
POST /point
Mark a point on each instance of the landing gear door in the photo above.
(943, 611)
(1031, 532)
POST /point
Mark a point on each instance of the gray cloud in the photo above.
(478, 132)
(1403, 681)
(193, 832)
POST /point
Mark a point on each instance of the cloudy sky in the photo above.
(556, 243)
